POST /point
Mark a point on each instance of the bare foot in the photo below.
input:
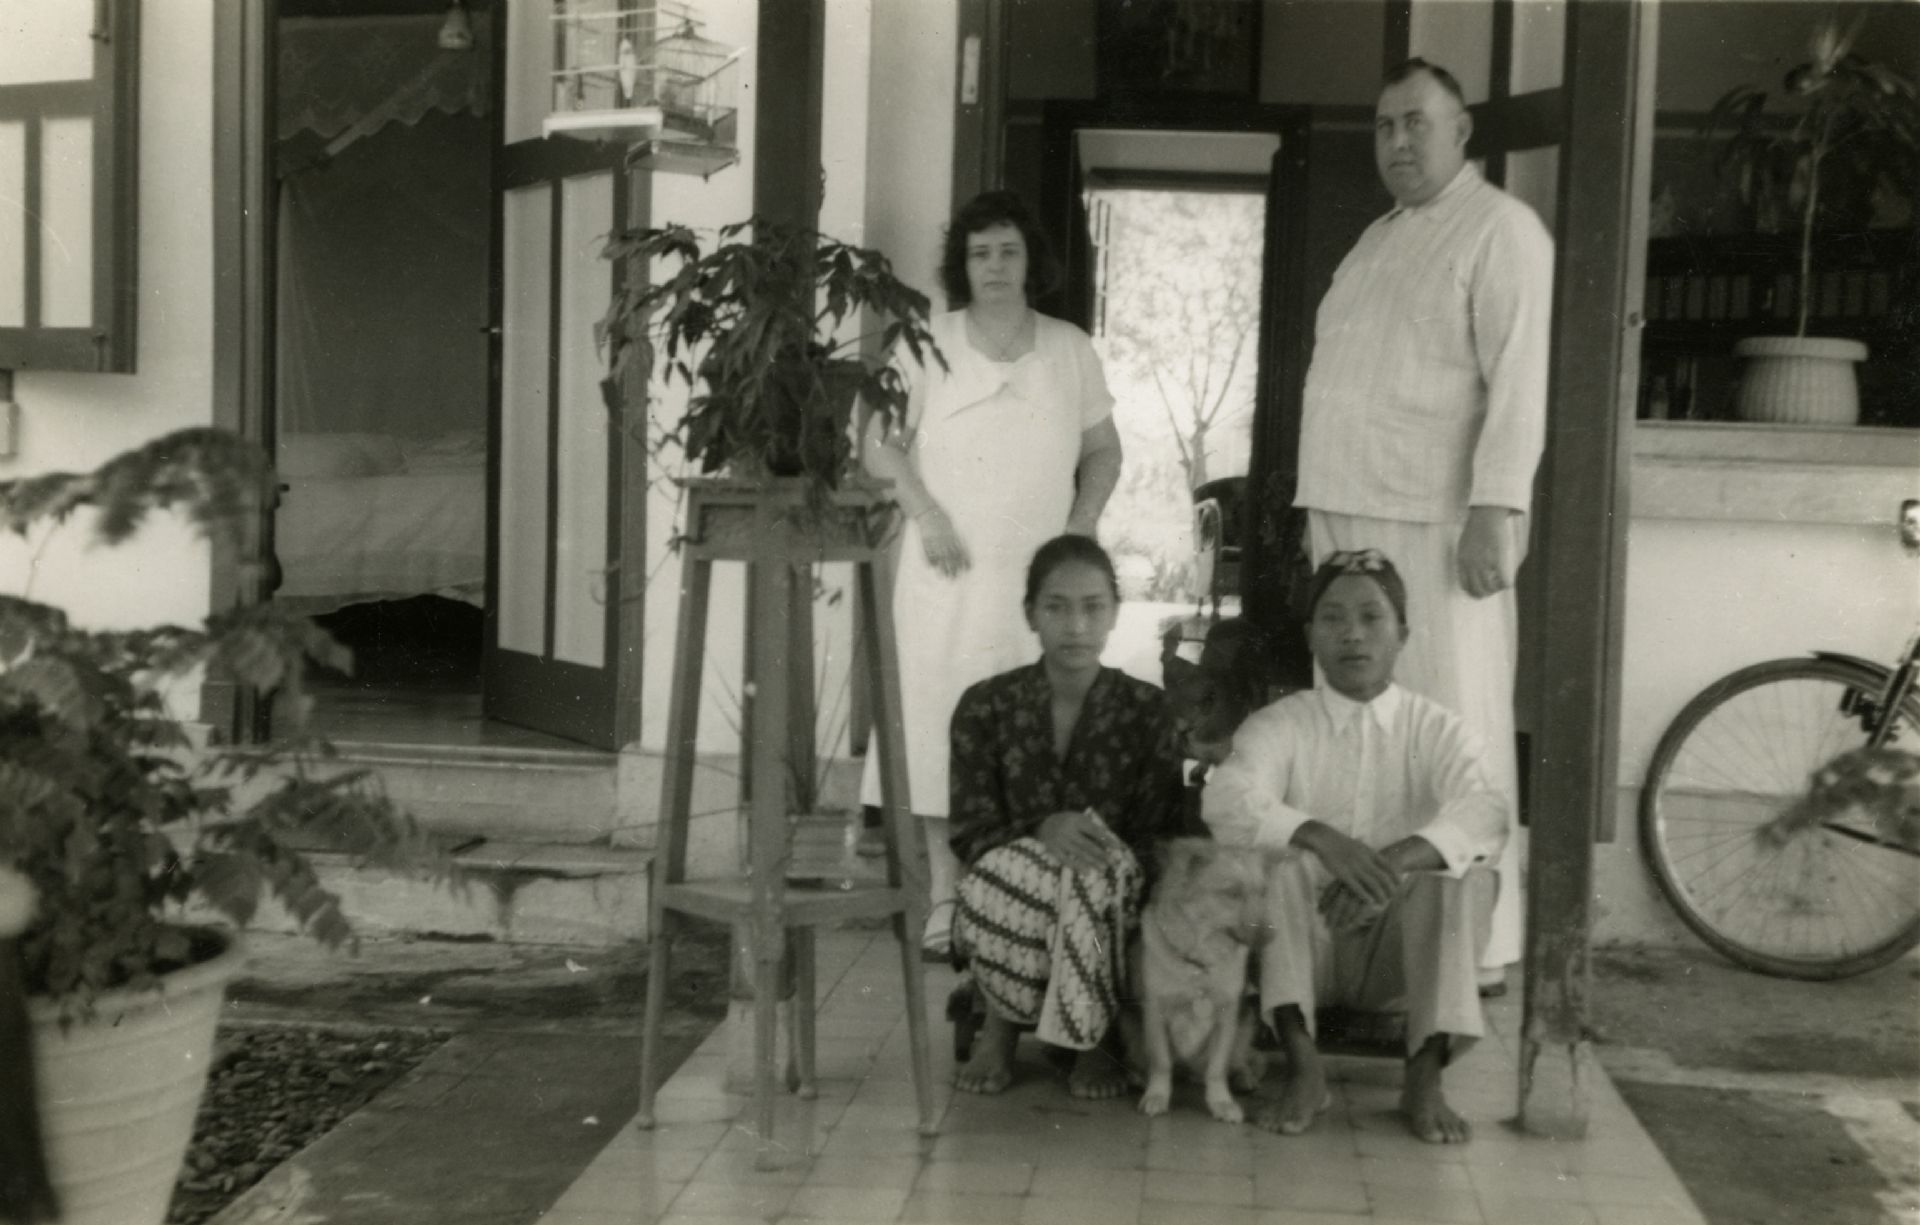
(1428, 1115)
(1303, 1095)
(1096, 1074)
(990, 1069)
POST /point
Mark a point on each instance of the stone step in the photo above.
(516, 795)
(516, 892)
(547, 893)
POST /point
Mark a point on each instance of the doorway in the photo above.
(1180, 225)
(382, 165)
(1176, 233)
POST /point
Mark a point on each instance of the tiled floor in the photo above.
(1035, 1155)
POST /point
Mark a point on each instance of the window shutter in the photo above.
(68, 183)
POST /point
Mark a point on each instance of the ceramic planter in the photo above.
(118, 1091)
(1800, 380)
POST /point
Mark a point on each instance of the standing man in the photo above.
(1425, 415)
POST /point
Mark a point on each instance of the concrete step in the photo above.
(546, 893)
(515, 892)
(514, 795)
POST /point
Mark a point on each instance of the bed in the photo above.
(377, 517)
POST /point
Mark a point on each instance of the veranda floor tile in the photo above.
(941, 1208)
(974, 1177)
(1424, 1203)
(731, 1199)
(1037, 1211)
(1052, 1181)
(847, 1203)
(1309, 1193)
(1233, 1190)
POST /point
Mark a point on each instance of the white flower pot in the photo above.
(1800, 380)
(118, 1091)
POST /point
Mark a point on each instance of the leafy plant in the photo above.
(106, 807)
(1855, 132)
(753, 325)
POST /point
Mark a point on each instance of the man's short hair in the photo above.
(1408, 67)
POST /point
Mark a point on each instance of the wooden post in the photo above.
(791, 41)
(1582, 541)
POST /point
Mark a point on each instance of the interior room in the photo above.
(381, 306)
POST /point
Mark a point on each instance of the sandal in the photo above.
(967, 1010)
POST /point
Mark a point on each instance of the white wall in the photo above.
(75, 421)
(910, 135)
(1708, 595)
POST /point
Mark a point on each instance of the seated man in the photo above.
(1384, 822)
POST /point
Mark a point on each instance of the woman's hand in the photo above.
(1080, 840)
(946, 552)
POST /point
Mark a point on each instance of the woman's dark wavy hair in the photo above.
(984, 211)
(1067, 550)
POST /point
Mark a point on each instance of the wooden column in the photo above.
(792, 49)
(1582, 539)
(790, 42)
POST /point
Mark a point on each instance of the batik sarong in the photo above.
(1044, 942)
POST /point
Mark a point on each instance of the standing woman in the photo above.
(1010, 445)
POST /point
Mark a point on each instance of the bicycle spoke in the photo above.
(1736, 758)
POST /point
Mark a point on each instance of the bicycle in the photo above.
(1780, 815)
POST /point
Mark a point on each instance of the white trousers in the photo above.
(1460, 652)
(1421, 957)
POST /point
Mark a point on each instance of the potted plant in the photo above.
(120, 840)
(1854, 134)
(752, 328)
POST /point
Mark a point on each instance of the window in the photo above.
(68, 195)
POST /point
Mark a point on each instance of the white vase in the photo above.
(118, 1091)
(1800, 380)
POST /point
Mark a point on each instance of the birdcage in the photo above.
(641, 71)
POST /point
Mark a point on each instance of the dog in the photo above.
(1197, 934)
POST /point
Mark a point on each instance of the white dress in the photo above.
(996, 444)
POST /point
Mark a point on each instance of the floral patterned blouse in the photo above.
(1123, 761)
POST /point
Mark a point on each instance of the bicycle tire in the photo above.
(1733, 758)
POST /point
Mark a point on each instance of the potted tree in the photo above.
(1854, 135)
(122, 844)
(751, 328)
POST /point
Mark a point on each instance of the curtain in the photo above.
(383, 283)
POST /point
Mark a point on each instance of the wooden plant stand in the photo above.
(769, 526)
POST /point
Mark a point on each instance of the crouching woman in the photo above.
(1063, 775)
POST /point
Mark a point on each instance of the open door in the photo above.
(1201, 146)
(558, 510)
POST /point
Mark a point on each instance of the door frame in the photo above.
(244, 220)
(1285, 334)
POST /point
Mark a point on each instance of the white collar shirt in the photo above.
(1427, 390)
(1398, 766)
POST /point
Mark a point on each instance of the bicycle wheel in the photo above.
(1833, 901)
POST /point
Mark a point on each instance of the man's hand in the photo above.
(1484, 560)
(946, 552)
(1080, 840)
(1363, 871)
(1344, 911)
